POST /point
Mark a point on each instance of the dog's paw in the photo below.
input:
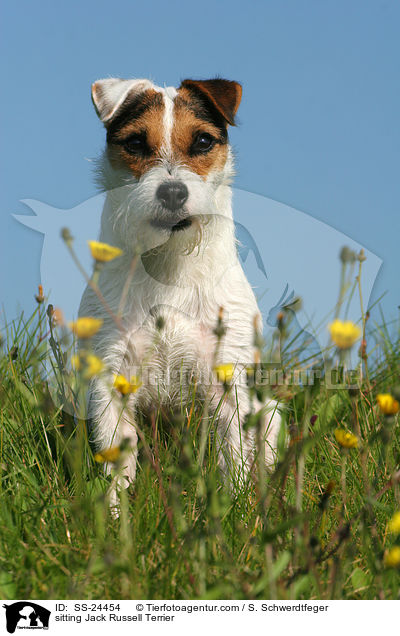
(114, 503)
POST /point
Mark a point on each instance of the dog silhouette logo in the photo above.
(26, 615)
(285, 254)
(278, 246)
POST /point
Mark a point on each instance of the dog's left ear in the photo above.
(224, 95)
(109, 94)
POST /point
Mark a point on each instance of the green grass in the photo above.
(316, 527)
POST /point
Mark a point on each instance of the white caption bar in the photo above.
(175, 617)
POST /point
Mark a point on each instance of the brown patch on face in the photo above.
(191, 121)
(135, 134)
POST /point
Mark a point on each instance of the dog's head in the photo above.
(167, 150)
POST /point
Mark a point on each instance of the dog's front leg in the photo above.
(112, 425)
(234, 443)
(238, 444)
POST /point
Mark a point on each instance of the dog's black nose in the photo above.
(172, 194)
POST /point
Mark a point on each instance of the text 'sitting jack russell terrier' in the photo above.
(167, 170)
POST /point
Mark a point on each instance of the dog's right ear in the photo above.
(223, 94)
(109, 94)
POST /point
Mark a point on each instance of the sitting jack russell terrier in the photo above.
(167, 170)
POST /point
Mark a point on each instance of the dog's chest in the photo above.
(171, 351)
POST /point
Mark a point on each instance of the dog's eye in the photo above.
(136, 144)
(203, 143)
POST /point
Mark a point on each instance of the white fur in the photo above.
(200, 272)
(109, 94)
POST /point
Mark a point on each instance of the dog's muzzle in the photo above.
(172, 195)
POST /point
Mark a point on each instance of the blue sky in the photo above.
(318, 126)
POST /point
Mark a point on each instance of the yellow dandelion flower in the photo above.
(394, 523)
(224, 372)
(108, 455)
(76, 362)
(345, 439)
(94, 366)
(344, 334)
(85, 327)
(103, 252)
(387, 403)
(125, 386)
(392, 557)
